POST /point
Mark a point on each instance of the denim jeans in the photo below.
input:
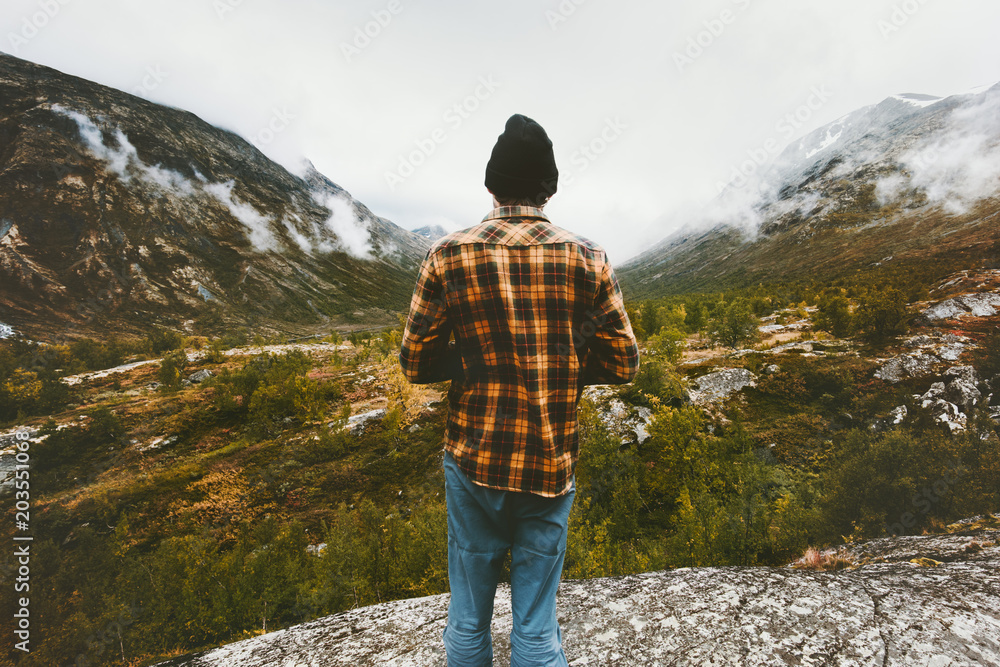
(482, 525)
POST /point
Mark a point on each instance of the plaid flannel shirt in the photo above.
(536, 314)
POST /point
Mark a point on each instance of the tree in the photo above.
(635, 319)
(882, 314)
(696, 319)
(172, 368)
(162, 340)
(669, 345)
(835, 314)
(734, 324)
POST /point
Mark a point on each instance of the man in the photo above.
(536, 314)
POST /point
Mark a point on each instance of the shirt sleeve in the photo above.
(612, 351)
(425, 354)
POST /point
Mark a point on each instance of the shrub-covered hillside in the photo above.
(210, 490)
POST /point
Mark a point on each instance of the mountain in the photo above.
(117, 214)
(906, 180)
(431, 232)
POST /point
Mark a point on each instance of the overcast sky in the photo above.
(650, 105)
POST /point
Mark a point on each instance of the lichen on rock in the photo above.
(932, 599)
(721, 384)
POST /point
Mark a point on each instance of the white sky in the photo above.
(581, 68)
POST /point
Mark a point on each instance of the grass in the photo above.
(825, 560)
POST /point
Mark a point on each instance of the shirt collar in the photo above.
(502, 212)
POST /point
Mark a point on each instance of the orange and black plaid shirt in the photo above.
(536, 314)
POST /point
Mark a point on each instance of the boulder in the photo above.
(983, 304)
(629, 422)
(357, 423)
(898, 415)
(200, 376)
(908, 600)
(964, 393)
(721, 384)
(931, 395)
(906, 366)
(946, 413)
(967, 373)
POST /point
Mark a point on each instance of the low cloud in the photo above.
(353, 235)
(348, 231)
(258, 225)
(958, 166)
(123, 159)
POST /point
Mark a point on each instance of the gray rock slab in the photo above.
(720, 385)
(200, 376)
(907, 365)
(982, 304)
(887, 611)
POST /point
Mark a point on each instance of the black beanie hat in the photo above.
(522, 165)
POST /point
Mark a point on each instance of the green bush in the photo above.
(653, 380)
(835, 315)
(874, 480)
(269, 389)
(734, 325)
(172, 370)
(162, 340)
(882, 315)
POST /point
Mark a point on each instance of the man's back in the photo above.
(536, 313)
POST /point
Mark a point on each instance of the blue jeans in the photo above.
(482, 525)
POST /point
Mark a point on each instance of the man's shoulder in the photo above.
(508, 232)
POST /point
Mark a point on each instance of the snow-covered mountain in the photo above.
(431, 232)
(910, 177)
(117, 213)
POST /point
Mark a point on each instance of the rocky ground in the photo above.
(917, 600)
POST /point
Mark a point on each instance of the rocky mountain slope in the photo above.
(910, 178)
(116, 213)
(932, 599)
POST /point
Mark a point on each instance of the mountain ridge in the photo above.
(118, 213)
(904, 179)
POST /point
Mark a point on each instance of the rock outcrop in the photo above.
(917, 600)
(721, 384)
(948, 401)
(629, 422)
(929, 353)
(967, 305)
